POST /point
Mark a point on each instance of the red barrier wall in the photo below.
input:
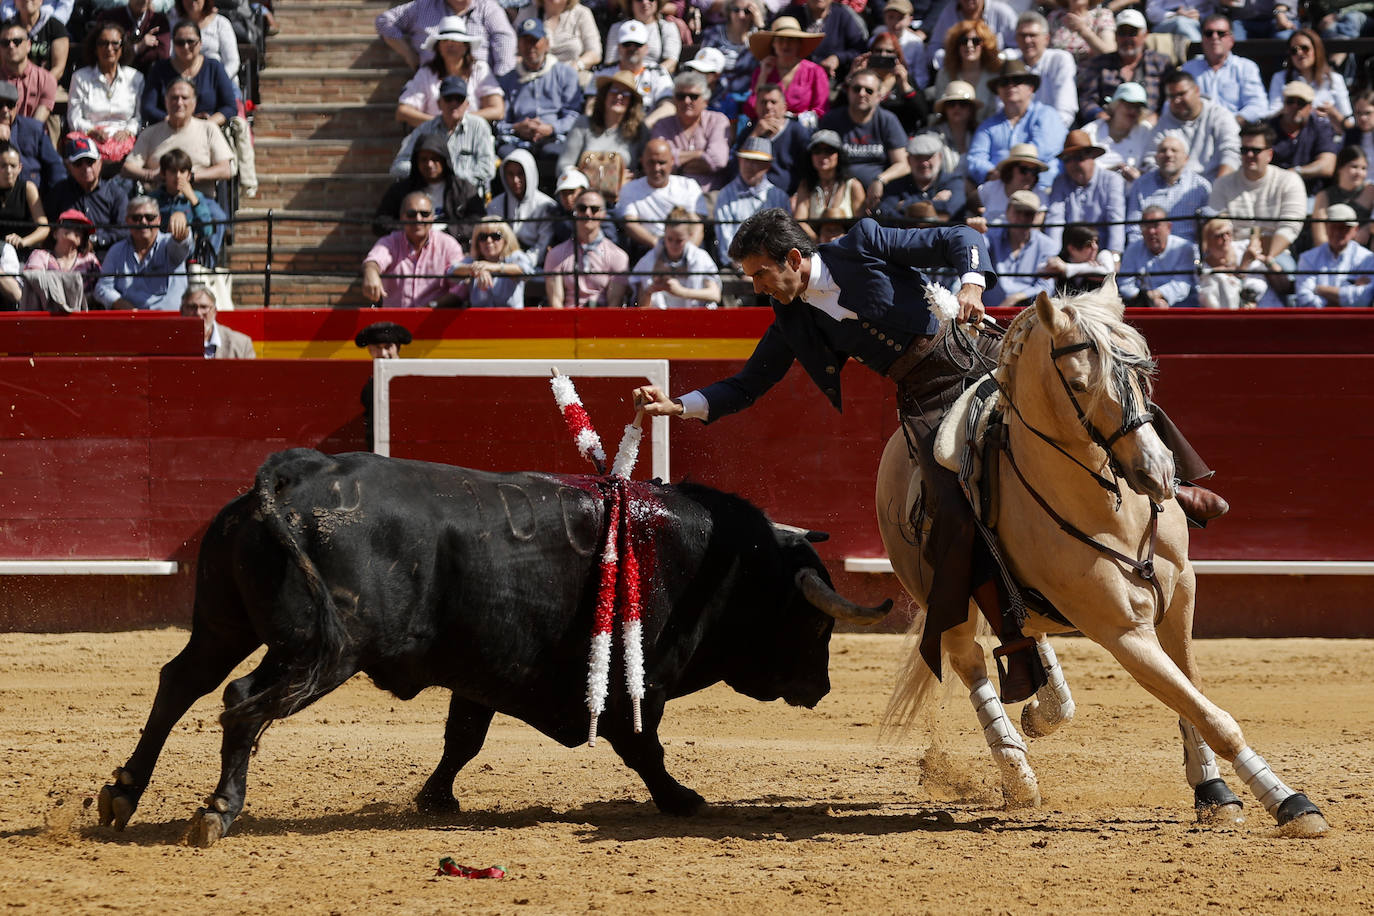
(129, 457)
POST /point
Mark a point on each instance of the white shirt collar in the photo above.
(822, 292)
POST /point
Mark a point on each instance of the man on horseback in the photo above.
(863, 297)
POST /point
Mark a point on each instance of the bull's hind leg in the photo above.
(643, 753)
(195, 671)
(1140, 653)
(463, 737)
(277, 680)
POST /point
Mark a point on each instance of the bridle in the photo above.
(1132, 418)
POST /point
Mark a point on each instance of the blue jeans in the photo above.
(1190, 29)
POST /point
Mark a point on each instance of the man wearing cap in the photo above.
(466, 136)
(1179, 190)
(1055, 67)
(788, 138)
(1085, 194)
(655, 84)
(41, 163)
(1021, 120)
(36, 86)
(417, 258)
(710, 62)
(382, 340)
(750, 192)
(874, 140)
(103, 202)
(572, 182)
(1305, 141)
(543, 98)
(1230, 80)
(1019, 253)
(1209, 131)
(1157, 270)
(846, 36)
(1265, 197)
(699, 139)
(897, 18)
(147, 270)
(1131, 62)
(220, 342)
(926, 184)
(1339, 273)
(405, 27)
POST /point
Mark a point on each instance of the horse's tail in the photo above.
(916, 686)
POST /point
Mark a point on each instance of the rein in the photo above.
(1132, 420)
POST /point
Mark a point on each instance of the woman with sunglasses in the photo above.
(971, 57)
(731, 38)
(496, 267)
(452, 45)
(149, 32)
(665, 39)
(616, 125)
(825, 183)
(105, 94)
(215, 96)
(1307, 63)
(217, 38)
(1084, 28)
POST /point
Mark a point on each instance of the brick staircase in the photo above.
(325, 136)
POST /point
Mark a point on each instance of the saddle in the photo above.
(967, 442)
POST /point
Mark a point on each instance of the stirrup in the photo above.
(1031, 675)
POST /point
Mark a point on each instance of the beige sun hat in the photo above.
(1021, 154)
(761, 42)
(958, 91)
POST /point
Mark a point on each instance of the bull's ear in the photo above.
(817, 537)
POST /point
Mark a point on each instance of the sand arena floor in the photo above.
(809, 812)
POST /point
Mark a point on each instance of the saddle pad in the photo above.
(951, 438)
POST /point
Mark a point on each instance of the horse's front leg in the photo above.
(1213, 799)
(1139, 651)
(1052, 705)
(1019, 786)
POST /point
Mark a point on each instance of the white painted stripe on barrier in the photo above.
(1202, 567)
(88, 567)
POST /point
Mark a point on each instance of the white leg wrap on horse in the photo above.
(1265, 786)
(997, 728)
(1055, 694)
(1198, 760)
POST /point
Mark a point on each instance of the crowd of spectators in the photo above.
(635, 135)
(113, 112)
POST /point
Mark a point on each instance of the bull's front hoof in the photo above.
(1298, 817)
(206, 828)
(117, 803)
(682, 803)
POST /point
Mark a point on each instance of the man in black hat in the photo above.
(383, 340)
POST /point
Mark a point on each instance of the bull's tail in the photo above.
(916, 687)
(318, 656)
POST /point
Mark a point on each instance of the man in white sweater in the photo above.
(1208, 130)
(1264, 197)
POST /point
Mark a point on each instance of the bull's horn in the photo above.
(806, 534)
(826, 599)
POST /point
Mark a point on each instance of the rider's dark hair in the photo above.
(772, 233)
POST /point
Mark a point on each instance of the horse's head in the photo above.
(1095, 376)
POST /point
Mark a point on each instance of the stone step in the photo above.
(327, 121)
(351, 229)
(361, 51)
(369, 154)
(299, 292)
(338, 257)
(309, 191)
(328, 17)
(316, 84)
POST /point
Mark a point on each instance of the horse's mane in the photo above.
(1098, 315)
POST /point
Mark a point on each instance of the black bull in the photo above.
(427, 575)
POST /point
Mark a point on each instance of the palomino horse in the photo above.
(1072, 370)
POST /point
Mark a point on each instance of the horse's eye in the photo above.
(1079, 386)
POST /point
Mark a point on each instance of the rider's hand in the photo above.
(655, 403)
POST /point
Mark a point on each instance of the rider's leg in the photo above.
(1200, 504)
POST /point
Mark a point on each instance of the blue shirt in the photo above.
(1100, 203)
(1170, 272)
(736, 203)
(1320, 266)
(156, 282)
(1032, 256)
(1041, 125)
(1181, 200)
(1235, 85)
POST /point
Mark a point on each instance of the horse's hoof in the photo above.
(207, 827)
(1298, 817)
(1020, 788)
(114, 808)
(436, 803)
(1036, 722)
(1221, 815)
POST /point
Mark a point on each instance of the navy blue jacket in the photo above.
(41, 163)
(105, 206)
(880, 276)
